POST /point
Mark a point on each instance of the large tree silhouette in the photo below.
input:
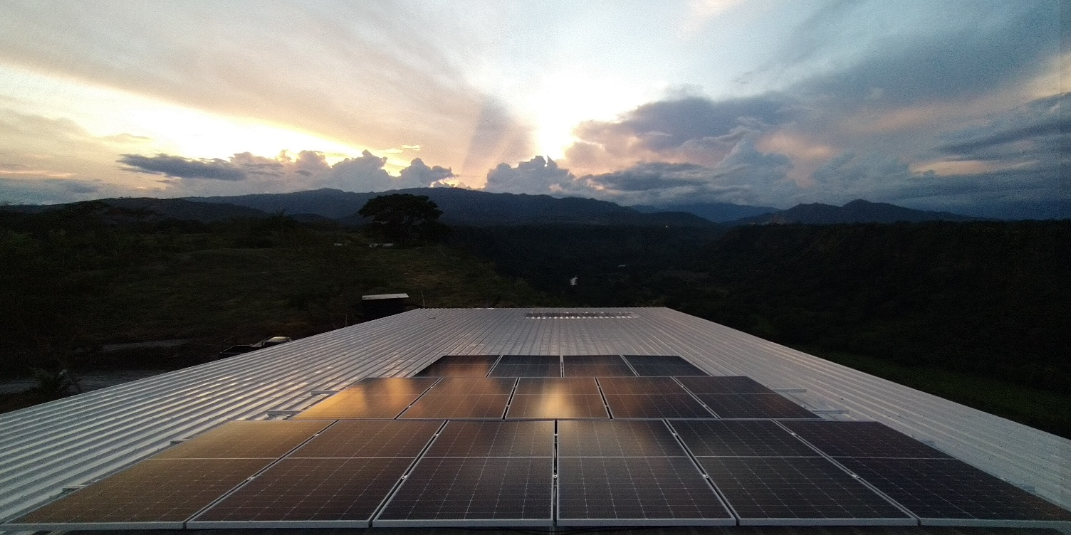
(404, 218)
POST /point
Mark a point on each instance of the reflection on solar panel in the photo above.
(790, 490)
(655, 406)
(596, 366)
(494, 439)
(739, 438)
(463, 397)
(321, 492)
(662, 366)
(640, 385)
(557, 406)
(460, 366)
(948, 491)
(473, 491)
(616, 438)
(159, 494)
(528, 366)
(370, 398)
(754, 406)
(861, 439)
(724, 385)
(370, 438)
(603, 491)
(554, 386)
(245, 439)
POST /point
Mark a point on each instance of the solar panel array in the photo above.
(538, 441)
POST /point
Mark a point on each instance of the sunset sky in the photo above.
(957, 106)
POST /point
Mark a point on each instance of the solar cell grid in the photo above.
(494, 439)
(445, 405)
(754, 406)
(724, 385)
(655, 406)
(162, 493)
(741, 438)
(460, 366)
(461, 386)
(942, 491)
(245, 439)
(557, 406)
(528, 366)
(616, 438)
(343, 492)
(635, 490)
(473, 491)
(557, 386)
(370, 438)
(639, 385)
(862, 439)
(662, 366)
(381, 397)
(780, 490)
(596, 366)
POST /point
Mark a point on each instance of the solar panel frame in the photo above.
(723, 384)
(662, 365)
(378, 397)
(527, 366)
(596, 366)
(739, 438)
(459, 366)
(246, 439)
(754, 406)
(862, 439)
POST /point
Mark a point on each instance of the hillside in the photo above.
(857, 211)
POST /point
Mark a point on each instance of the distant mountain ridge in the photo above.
(718, 212)
(857, 211)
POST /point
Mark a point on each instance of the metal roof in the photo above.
(78, 439)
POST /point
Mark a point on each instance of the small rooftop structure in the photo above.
(382, 305)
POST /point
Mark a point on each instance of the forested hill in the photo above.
(989, 298)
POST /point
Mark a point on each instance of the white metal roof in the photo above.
(77, 439)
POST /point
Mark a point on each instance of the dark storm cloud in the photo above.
(1041, 129)
(652, 176)
(179, 167)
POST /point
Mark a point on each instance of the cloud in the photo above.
(1039, 130)
(179, 167)
(55, 191)
(536, 176)
(419, 175)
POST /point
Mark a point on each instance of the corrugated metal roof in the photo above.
(75, 440)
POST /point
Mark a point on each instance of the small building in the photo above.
(382, 305)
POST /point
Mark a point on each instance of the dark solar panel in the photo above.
(640, 385)
(245, 439)
(724, 385)
(754, 406)
(473, 491)
(557, 386)
(463, 397)
(771, 490)
(616, 438)
(596, 366)
(494, 439)
(154, 493)
(528, 366)
(951, 489)
(557, 406)
(295, 491)
(370, 438)
(460, 366)
(862, 439)
(740, 438)
(603, 491)
(655, 406)
(662, 365)
(383, 397)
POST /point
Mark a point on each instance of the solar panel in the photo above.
(739, 438)
(528, 366)
(724, 385)
(463, 397)
(655, 406)
(557, 406)
(662, 365)
(494, 439)
(473, 491)
(157, 493)
(862, 439)
(460, 366)
(596, 366)
(951, 492)
(640, 385)
(309, 493)
(245, 439)
(370, 438)
(383, 397)
(584, 386)
(754, 406)
(616, 438)
(797, 490)
(602, 491)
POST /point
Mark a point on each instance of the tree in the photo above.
(404, 218)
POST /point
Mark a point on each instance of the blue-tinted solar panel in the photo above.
(473, 491)
(951, 492)
(724, 385)
(740, 438)
(754, 406)
(528, 366)
(604, 491)
(662, 365)
(460, 366)
(789, 490)
(596, 366)
(494, 439)
(862, 439)
(655, 406)
(616, 438)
